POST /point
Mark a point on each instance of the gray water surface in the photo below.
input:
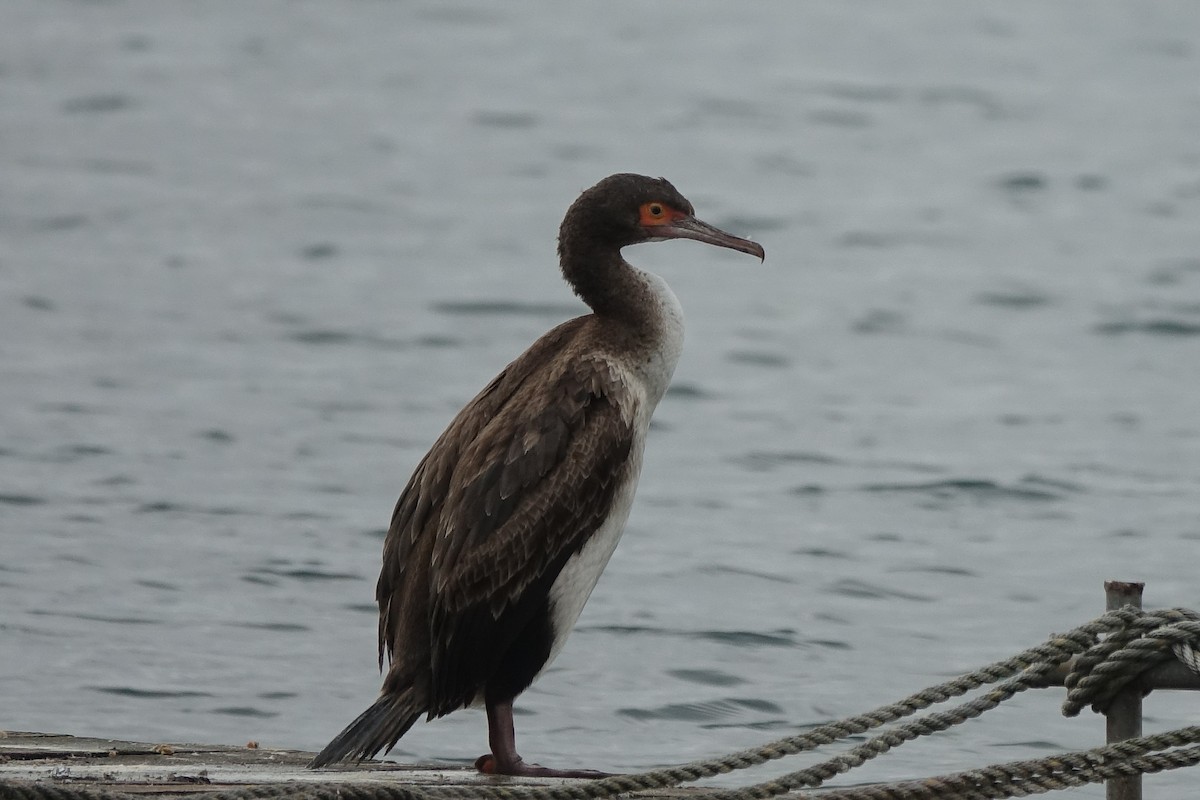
(254, 256)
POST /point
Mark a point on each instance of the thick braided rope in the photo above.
(1036, 660)
(1123, 626)
(1102, 649)
(1029, 666)
(1037, 776)
(1189, 654)
(1110, 665)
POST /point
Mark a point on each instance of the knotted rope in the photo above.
(1133, 642)
(1114, 662)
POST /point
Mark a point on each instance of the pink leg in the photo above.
(504, 758)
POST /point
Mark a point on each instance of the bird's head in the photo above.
(627, 209)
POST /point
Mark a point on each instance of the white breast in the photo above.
(655, 371)
(647, 374)
(579, 576)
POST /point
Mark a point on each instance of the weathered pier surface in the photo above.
(168, 769)
(66, 762)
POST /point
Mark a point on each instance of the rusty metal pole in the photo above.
(1123, 719)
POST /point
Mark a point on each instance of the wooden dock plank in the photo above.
(166, 769)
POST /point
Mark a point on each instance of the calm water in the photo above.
(254, 256)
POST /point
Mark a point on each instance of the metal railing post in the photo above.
(1123, 718)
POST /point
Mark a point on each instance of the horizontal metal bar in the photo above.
(1168, 675)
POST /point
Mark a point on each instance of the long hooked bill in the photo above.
(692, 228)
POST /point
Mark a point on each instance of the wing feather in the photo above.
(519, 480)
(544, 485)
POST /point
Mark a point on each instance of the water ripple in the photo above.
(723, 569)
(1154, 327)
(97, 103)
(38, 302)
(305, 572)
(244, 711)
(852, 587)
(722, 708)
(777, 638)
(113, 619)
(687, 391)
(169, 507)
(21, 500)
(762, 460)
(281, 627)
(318, 251)
(506, 308)
(148, 694)
(706, 677)
(512, 120)
(977, 489)
(325, 337)
(1013, 298)
(821, 552)
(938, 569)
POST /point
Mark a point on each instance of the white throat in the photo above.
(656, 369)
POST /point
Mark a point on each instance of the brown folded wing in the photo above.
(515, 486)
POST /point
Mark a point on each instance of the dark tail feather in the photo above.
(377, 728)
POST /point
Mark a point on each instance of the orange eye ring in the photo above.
(656, 213)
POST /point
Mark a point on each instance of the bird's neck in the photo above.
(640, 309)
(615, 289)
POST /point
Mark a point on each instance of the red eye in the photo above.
(655, 213)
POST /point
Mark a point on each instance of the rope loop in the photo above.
(1111, 663)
